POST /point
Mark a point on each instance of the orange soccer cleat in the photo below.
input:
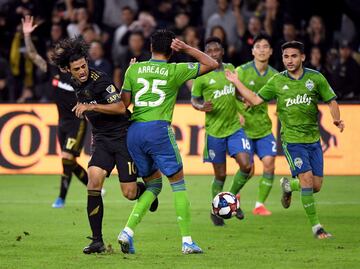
(261, 211)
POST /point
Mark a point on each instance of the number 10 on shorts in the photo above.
(131, 168)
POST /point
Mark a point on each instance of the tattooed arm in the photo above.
(28, 28)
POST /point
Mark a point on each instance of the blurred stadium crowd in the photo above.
(118, 30)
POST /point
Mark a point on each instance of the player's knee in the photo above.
(307, 183)
(269, 169)
(245, 168)
(67, 156)
(130, 193)
(94, 184)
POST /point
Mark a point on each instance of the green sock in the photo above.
(141, 207)
(216, 187)
(153, 188)
(308, 201)
(238, 182)
(144, 202)
(294, 185)
(182, 207)
(265, 185)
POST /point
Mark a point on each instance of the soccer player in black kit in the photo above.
(100, 102)
(71, 130)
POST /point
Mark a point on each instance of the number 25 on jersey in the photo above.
(154, 90)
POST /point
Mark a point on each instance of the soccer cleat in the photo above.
(218, 221)
(261, 211)
(59, 203)
(126, 243)
(239, 214)
(154, 205)
(191, 248)
(322, 234)
(286, 192)
(96, 246)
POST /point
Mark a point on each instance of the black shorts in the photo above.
(110, 152)
(71, 135)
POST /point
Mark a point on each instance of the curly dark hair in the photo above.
(161, 41)
(69, 50)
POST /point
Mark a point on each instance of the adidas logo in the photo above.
(308, 205)
(252, 83)
(286, 87)
(212, 81)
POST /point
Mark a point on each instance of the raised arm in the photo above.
(335, 114)
(28, 27)
(247, 94)
(240, 24)
(271, 10)
(207, 63)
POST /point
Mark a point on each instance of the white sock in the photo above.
(129, 231)
(316, 227)
(258, 204)
(187, 239)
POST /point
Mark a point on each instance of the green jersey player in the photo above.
(257, 124)
(214, 95)
(152, 87)
(297, 91)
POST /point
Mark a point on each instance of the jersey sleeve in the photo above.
(197, 89)
(127, 87)
(186, 71)
(240, 71)
(106, 91)
(230, 66)
(325, 91)
(268, 91)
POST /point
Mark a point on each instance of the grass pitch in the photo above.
(34, 235)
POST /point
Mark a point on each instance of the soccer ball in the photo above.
(225, 205)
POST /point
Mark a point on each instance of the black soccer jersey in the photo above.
(99, 89)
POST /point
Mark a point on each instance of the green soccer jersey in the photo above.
(297, 103)
(223, 120)
(154, 86)
(257, 120)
